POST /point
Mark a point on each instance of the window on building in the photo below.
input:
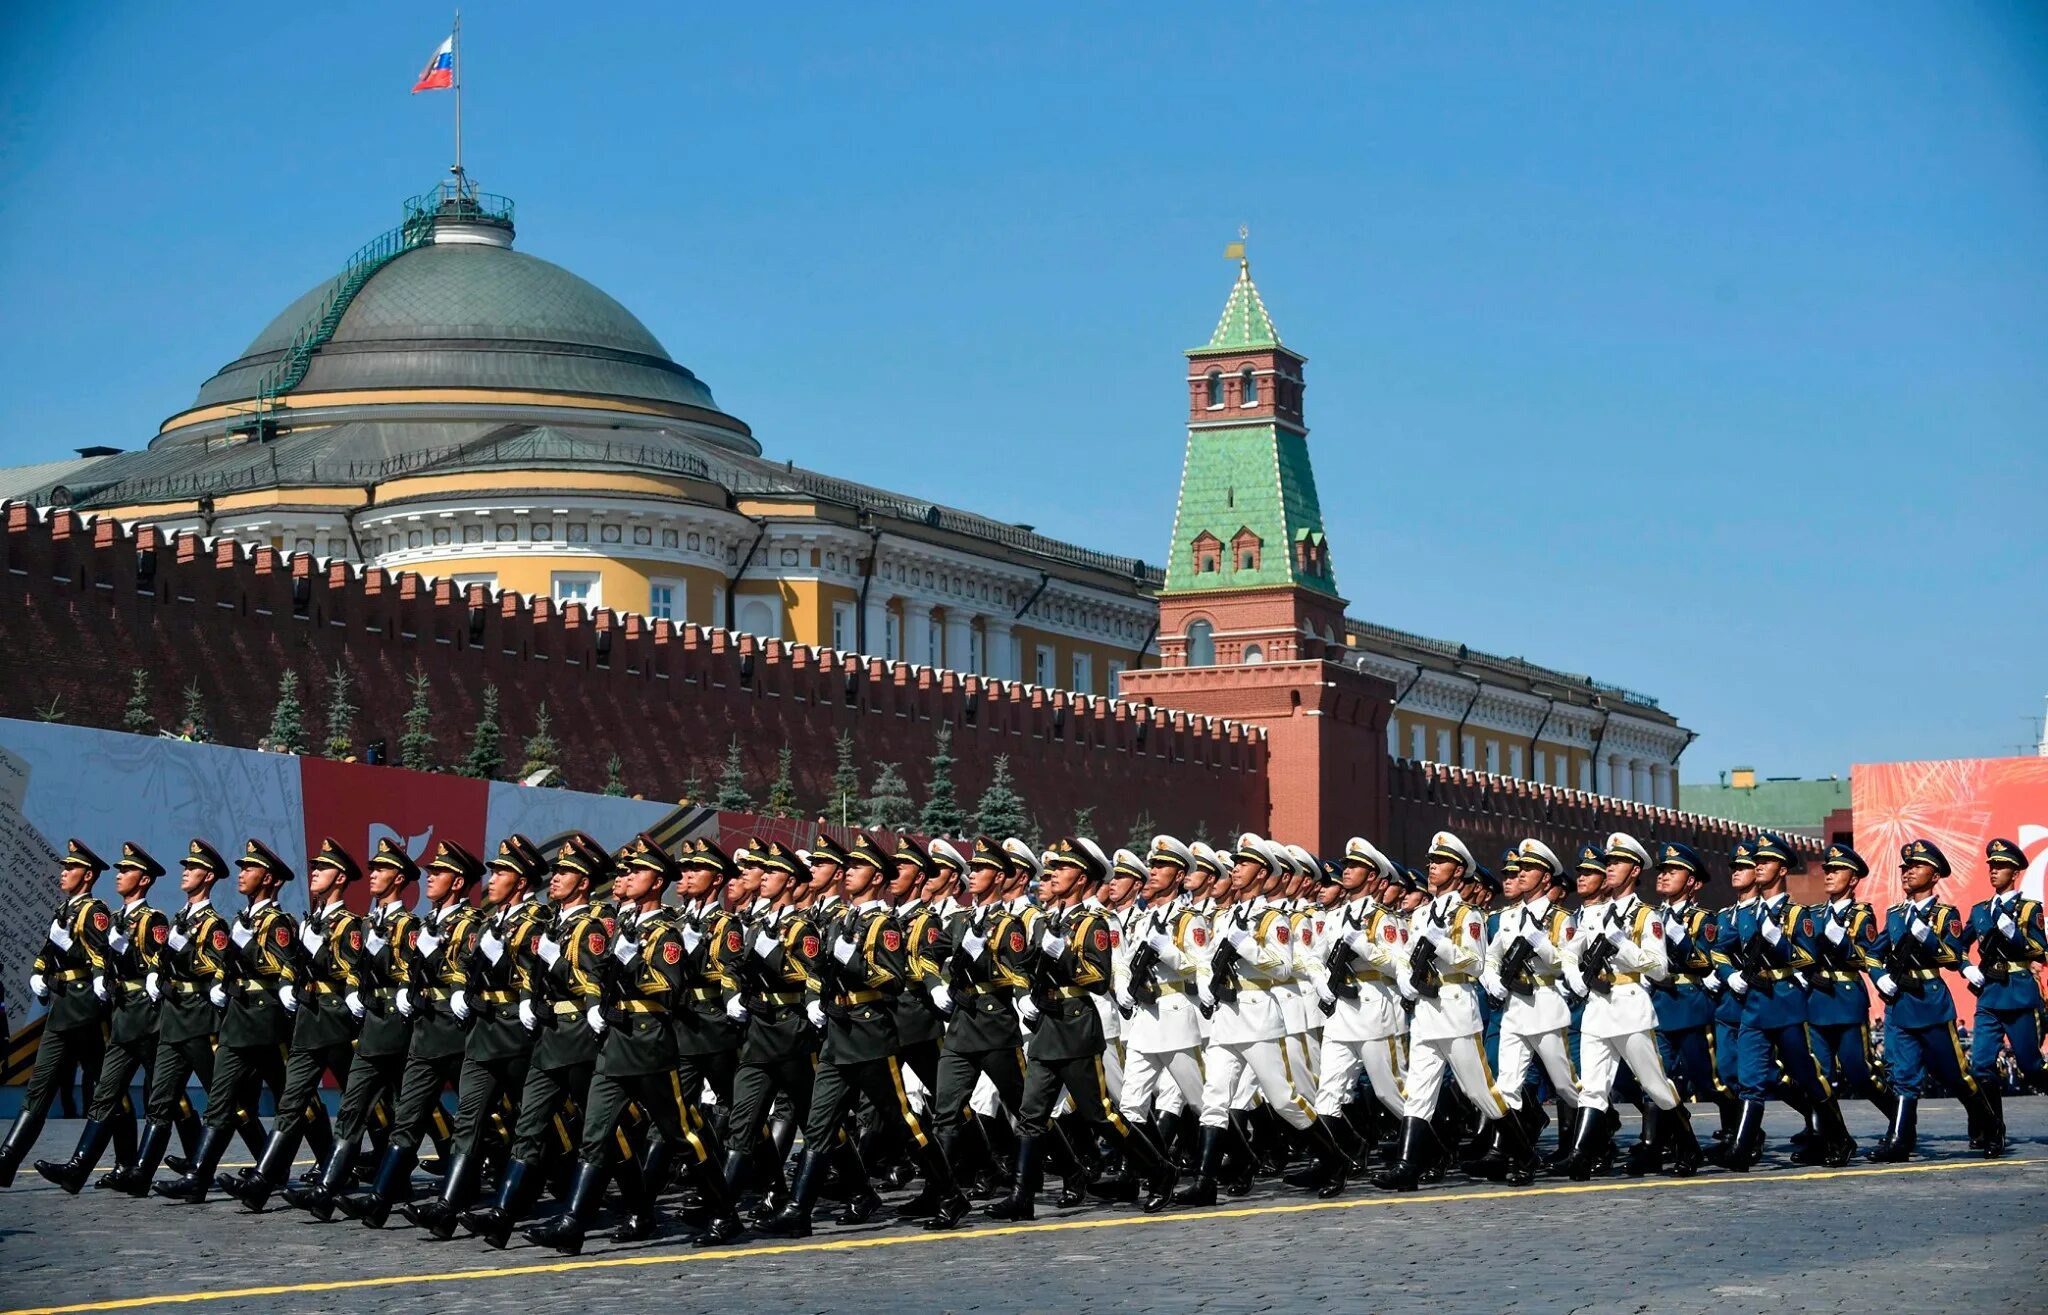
(1515, 761)
(1253, 653)
(1208, 553)
(1215, 388)
(718, 607)
(1201, 644)
(761, 616)
(974, 653)
(843, 632)
(935, 640)
(1247, 387)
(1443, 746)
(665, 600)
(488, 579)
(1493, 755)
(1041, 671)
(574, 587)
(1116, 677)
(1393, 738)
(1542, 766)
(1586, 774)
(1084, 673)
(1468, 752)
(892, 638)
(1418, 745)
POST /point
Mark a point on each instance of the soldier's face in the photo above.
(1621, 876)
(1197, 882)
(774, 883)
(909, 878)
(195, 879)
(857, 879)
(634, 883)
(1161, 883)
(1770, 873)
(2003, 876)
(129, 883)
(982, 880)
(822, 875)
(1742, 879)
(1412, 900)
(1353, 877)
(500, 887)
(1840, 881)
(1672, 882)
(1118, 890)
(1918, 878)
(384, 880)
(1590, 882)
(1445, 873)
(567, 886)
(74, 879)
(1058, 883)
(939, 885)
(695, 883)
(252, 879)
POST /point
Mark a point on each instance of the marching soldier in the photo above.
(2006, 932)
(255, 1026)
(707, 1017)
(71, 976)
(1523, 964)
(190, 982)
(135, 944)
(326, 1000)
(1922, 938)
(1684, 1001)
(1727, 1004)
(472, 968)
(1353, 980)
(378, 1065)
(1162, 1029)
(1838, 1005)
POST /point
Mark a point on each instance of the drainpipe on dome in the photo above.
(732, 593)
(867, 578)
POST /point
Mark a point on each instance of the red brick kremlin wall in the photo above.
(84, 604)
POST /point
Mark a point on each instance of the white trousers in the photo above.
(1552, 1050)
(1603, 1058)
(1342, 1061)
(1150, 1080)
(1465, 1056)
(1264, 1065)
(1304, 1055)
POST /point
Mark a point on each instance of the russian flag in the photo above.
(440, 71)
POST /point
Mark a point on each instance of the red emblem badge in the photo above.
(1713, 932)
(220, 939)
(284, 936)
(101, 921)
(611, 925)
(1280, 931)
(1017, 942)
(1656, 928)
(1101, 939)
(1391, 934)
(1471, 931)
(1115, 937)
(892, 940)
(1869, 932)
(412, 937)
(163, 933)
(732, 941)
(1307, 937)
(1806, 926)
(355, 939)
(931, 935)
(671, 953)
(1571, 929)
(1201, 935)
(811, 947)
(596, 942)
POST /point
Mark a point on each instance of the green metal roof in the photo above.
(1245, 326)
(1246, 477)
(1787, 804)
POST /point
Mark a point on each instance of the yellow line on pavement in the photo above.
(684, 1257)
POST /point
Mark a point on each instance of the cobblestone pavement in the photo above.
(1953, 1231)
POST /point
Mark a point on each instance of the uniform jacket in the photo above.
(1639, 959)
(781, 959)
(859, 996)
(561, 993)
(1368, 1005)
(1254, 1013)
(715, 943)
(330, 956)
(494, 987)
(643, 992)
(390, 934)
(71, 972)
(2020, 953)
(145, 931)
(1064, 985)
(1683, 1000)
(1914, 964)
(1535, 1005)
(260, 961)
(194, 960)
(1774, 997)
(985, 985)
(1845, 933)
(1168, 1020)
(1454, 1010)
(435, 967)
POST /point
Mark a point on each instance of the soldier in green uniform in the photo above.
(648, 976)
(707, 1015)
(188, 979)
(133, 943)
(255, 1025)
(429, 976)
(71, 976)
(563, 980)
(326, 1001)
(781, 1047)
(864, 965)
(388, 934)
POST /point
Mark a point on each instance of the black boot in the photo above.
(253, 1188)
(392, 1184)
(1405, 1173)
(1680, 1144)
(134, 1178)
(1022, 1202)
(1157, 1175)
(20, 1139)
(1517, 1150)
(198, 1177)
(1992, 1101)
(516, 1193)
(1332, 1165)
(1748, 1144)
(1568, 1119)
(721, 1222)
(1590, 1141)
(1202, 1191)
(565, 1231)
(1900, 1138)
(71, 1174)
(948, 1206)
(1493, 1166)
(1647, 1156)
(1242, 1166)
(861, 1201)
(317, 1198)
(642, 1215)
(794, 1220)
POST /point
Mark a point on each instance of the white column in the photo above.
(877, 611)
(1639, 774)
(1664, 786)
(996, 646)
(959, 638)
(917, 632)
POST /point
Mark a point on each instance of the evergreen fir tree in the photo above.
(782, 793)
(888, 804)
(137, 720)
(416, 746)
(693, 789)
(192, 722)
(614, 782)
(1142, 832)
(288, 722)
(942, 815)
(541, 751)
(1084, 820)
(732, 782)
(341, 716)
(844, 805)
(486, 757)
(1000, 814)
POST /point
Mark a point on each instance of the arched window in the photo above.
(1248, 387)
(1253, 654)
(1201, 644)
(1215, 388)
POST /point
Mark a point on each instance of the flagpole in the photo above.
(457, 44)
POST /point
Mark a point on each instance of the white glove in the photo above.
(242, 934)
(1921, 931)
(1738, 983)
(1799, 978)
(427, 943)
(548, 948)
(844, 950)
(1835, 932)
(1886, 987)
(1359, 942)
(815, 1011)
(1408, 991)
(594, 1016)
(117, 942)
(1161, 943)
(289, 998)
(527, 1018)
(218, 994)
(1490, 982)
(736, 1009)
(1574, 979)
(1053, 944)
(1027, 1009)
(1122, 1000)
(60, 935)
(1206, 1000)
(1773, 933)
(1617, 935)
(152, 988)
(972, 944)
(1674, 931)
(625, 951)
(458, 1005)
(179, 940)
(404, 1002)
(374, 943)
(942, 996)
(764, 945)
(1325, 998)
(2007, 927)
(1241, 940)
(354, 1001)
(493, 948)
(1973, 975)
(309, 936)
(692, 938)
(1713, 984)
(99, 987)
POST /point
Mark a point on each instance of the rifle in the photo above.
(1338, 966)
(1994, 953)
(1223, 986)
(1144, 988)
(1514, 966)
(1422, 971)
(1593, 963)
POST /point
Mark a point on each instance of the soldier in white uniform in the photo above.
(1445, 953)
(1619, 947)
(1352, 976)
(1252, 956)
(1155, 986)
(1522, 966)
(1304, 1020)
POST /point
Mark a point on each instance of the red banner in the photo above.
(360, 806)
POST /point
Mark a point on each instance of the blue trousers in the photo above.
(1756, 1072)
(1914, 1052)
(1842, 1052)
(1992, 1029)
(1688, 1054)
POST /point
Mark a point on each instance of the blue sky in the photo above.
(1701, 348)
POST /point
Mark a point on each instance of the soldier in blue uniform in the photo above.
(2007, 934)
(1496, 890)
(1684, 1002)
(1922, 937)
(1771, 948)
(1838, 1005)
